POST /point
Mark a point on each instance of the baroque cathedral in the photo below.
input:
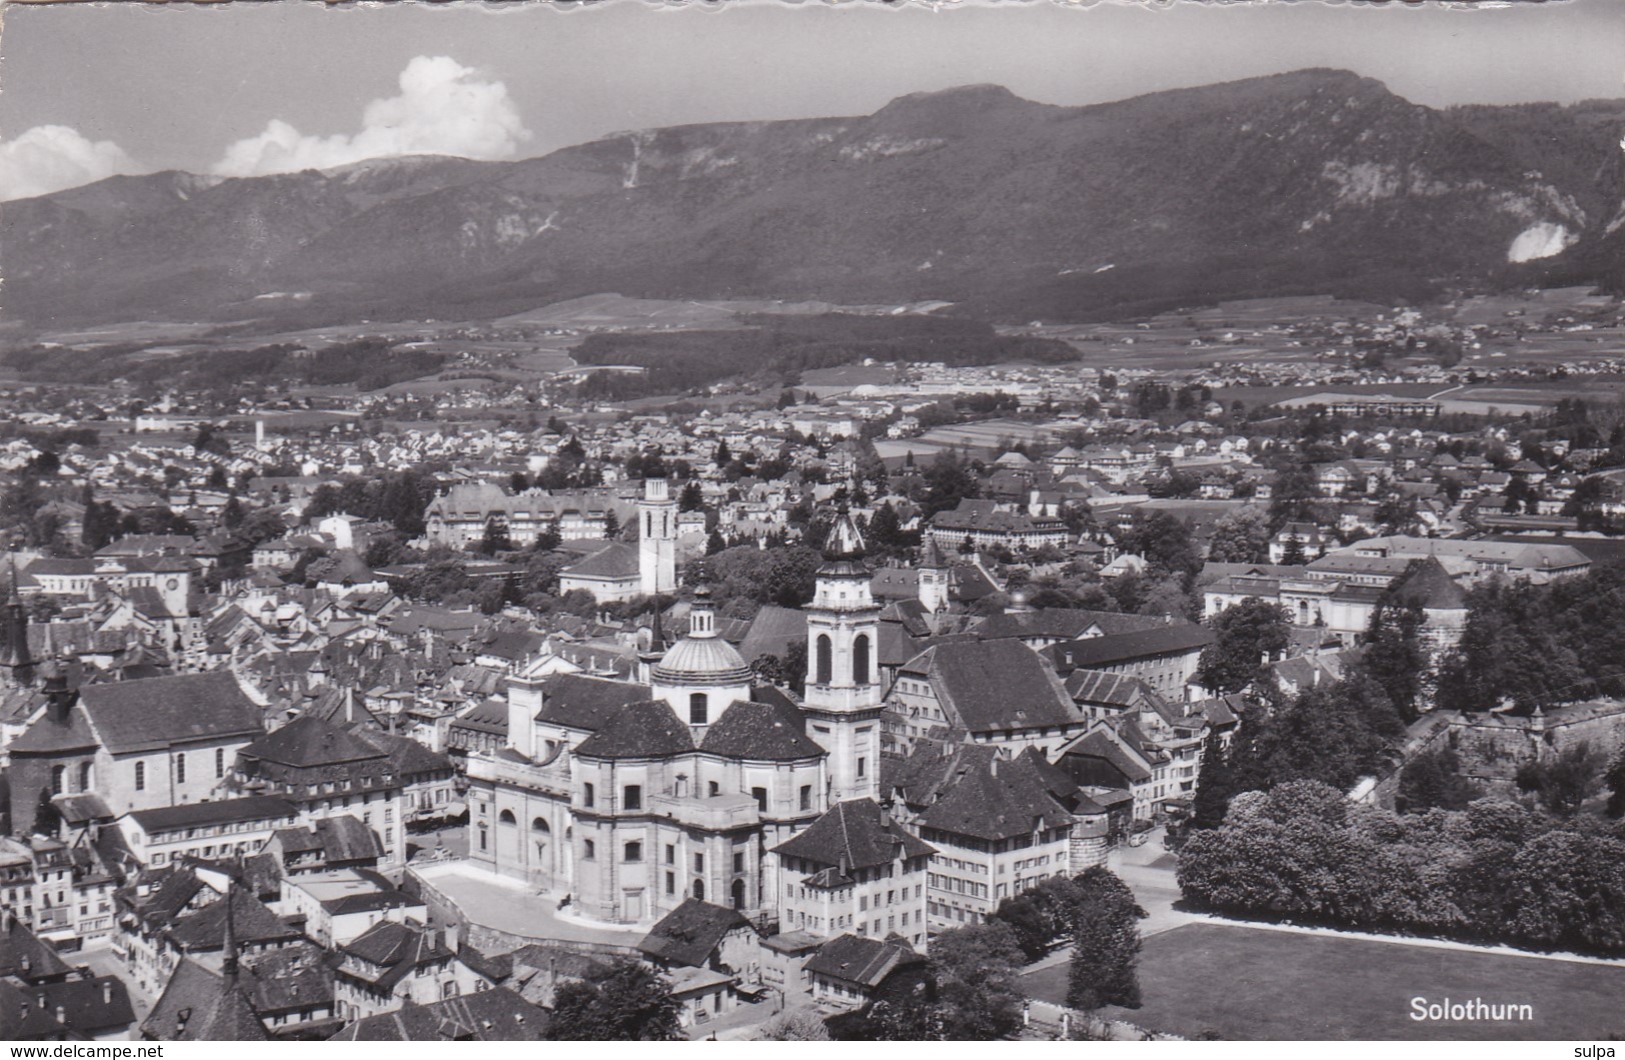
(630, 798)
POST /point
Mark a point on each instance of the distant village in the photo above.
(359, 721)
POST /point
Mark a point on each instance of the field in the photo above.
(1519, 397)
(1252, 983)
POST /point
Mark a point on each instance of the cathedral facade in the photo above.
(630, 798)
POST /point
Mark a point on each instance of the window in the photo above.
(141, 776)
(698, 709)
(484, 838)
(84, 776)
(760, 795)
(505, 817)
(634, 851)
(739, 861)
(671, 883)
(219, 762)
(671, 854)
(588, 850)
(825, 660)
(860, 659)
(806, 796)
(714, 789)
(699, 862)
(586, 795)
(632, 798)
(449, 989)
(58, 773)
(863, 764)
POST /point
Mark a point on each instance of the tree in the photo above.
(1105, 943)
(976, 970)
(1165, 541)
(612, 525)
(628, 1002)
(1242, 536)
(1615, 779)
(691, 499)
(495, 539)
(1213, 785)
(1247, 636)
(1038, 915)
(1395, 656)
(795, 1025)
(722, 457)
(1561, 784)
(1292, 554)
(231, 516)
(1433, 780)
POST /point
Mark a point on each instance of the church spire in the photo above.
(14, 654)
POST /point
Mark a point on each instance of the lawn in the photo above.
(1249, 983)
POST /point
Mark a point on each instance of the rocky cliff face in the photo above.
(1313, 181)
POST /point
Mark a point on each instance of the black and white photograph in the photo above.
(835, 521)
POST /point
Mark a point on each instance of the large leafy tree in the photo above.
(1433, 780)
(1395, 655)
(1105, 943)
(1562, 783)
(628, 1002)
(1242, 536)
(1247, 636)
(976, 969)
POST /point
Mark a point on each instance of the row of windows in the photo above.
(957, 886)
(632, 795)
(141, 771)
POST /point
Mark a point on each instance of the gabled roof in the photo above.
(691, 933)
(90, 1008)
(856, 834)
(760, 732)
(199, 1005)
(1004, 799)
(648, 729)
(222, 811)
(158, 712)
(1099, 744)
(23, 955)
(251, 922)
(496, 1015)
(1096, 652)
(617, 562)
(864, 962)
(309, 741)
(581, 702)
(995, 686)
(1426, 583)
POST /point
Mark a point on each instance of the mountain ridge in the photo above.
(1314, 179)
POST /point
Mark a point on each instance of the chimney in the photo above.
(61, 1014)
(107, 991)
(453, 935)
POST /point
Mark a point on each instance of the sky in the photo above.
(87, 91)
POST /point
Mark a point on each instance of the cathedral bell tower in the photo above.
(843, 698)
(657, 538)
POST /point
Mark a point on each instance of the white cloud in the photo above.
(49, 158)
(444, 108)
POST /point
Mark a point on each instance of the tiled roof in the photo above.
(865, 962)
(223, 811)
(858, 834)
(647, 729)
(309, 741)
(759, 732)
(497, 1015)
(1096, 652)
(199, 1005)
(91, 1008)
(995, 685)
(251, 922)
(582, 702)
(19, 947)
(691, 933)
(618, 561)
(159, 712)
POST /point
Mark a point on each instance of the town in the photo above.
(893, 700)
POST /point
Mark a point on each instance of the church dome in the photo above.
(701, 657)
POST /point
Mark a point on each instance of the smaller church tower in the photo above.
(843, 697)
(702, 675)
(657, 538)
(933, 578)
(16, 662)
